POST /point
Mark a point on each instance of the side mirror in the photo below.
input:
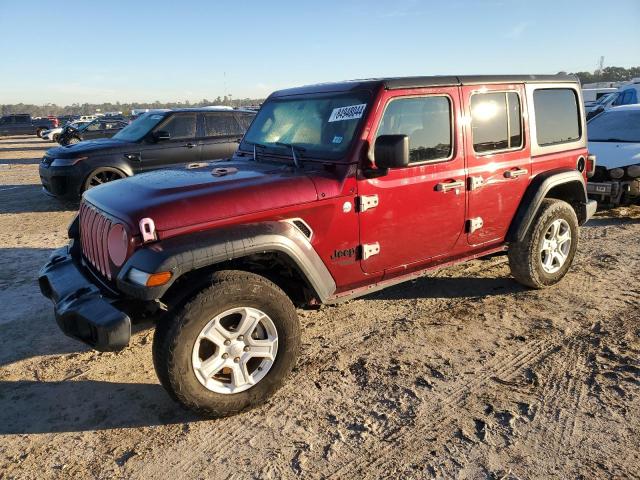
(391, 151)
(161, 135)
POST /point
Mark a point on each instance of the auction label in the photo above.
(347, 113)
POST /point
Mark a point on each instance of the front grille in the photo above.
(94, 235)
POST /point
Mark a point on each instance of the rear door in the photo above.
(221, 134)
(498, 158)
(179, 149)
(416, 213)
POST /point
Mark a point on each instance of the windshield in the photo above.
(605, 98)
(142, 125)
(615, 126)
(319, 125)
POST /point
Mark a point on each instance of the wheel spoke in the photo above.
(249, 322)
(240, 377)
(216, 333)
(263, 349)
(211, 366)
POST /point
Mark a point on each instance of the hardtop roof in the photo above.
(394, 83)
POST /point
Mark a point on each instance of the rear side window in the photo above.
(427, 122)
(221, 124)
(181, 126)
(496, 121)
(557, 116)
(245, 120)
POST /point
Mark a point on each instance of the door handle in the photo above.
(445, 187)
(518, 172)
(190, 145)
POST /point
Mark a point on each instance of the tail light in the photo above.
(591, 165)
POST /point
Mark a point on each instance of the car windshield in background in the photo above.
(139, 127)
(319, 125)
(615, 126)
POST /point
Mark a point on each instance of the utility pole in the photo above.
(600, 65)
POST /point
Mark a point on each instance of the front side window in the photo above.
(244, 119)
(557, 116)
(319, 125)
(221, 124)
(92, 127)
(427, 123)
(496, 121)
(180, 126)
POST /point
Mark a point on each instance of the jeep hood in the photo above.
(178, 198)
(86, 147)
(615, 154)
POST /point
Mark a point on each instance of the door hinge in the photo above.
(367, 202)
(474, 224)
(370, 249)
(475, 182)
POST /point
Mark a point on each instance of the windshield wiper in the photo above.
(293, 151)
(255, 158)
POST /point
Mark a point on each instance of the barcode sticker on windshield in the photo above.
(347, 113)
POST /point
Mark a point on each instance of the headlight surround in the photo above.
(634, 171)
(118, 244)
(616, 173)
(66, 162)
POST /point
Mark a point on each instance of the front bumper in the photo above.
(81, 309)
(61, 181)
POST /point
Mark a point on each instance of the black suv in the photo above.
(99, 128)
(155, 140)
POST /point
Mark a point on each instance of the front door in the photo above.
(498, 158)
(180, 148)
(416, 213)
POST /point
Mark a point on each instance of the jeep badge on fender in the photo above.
(226, 256)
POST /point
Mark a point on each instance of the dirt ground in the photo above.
(462, 374)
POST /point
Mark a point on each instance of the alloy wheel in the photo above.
(556, 245)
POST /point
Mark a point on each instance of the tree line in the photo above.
(607, 74)
(125, 108)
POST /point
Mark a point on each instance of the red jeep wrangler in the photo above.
(336, 190)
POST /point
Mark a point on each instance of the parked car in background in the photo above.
(614, 138)
(337, 190)
(592, 95)
(603, 103)
(54, 134)
(156, 140)
(98, 128)
(23, 124)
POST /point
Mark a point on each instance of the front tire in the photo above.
(102, 175)
(546, 253)
(39, 132)
(231, 347)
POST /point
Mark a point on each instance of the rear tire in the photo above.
(179, 338)
(39, 132)
(56, 137)
(546, 253)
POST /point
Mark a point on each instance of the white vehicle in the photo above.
(614, 138)
(87, 118)
(53, 134)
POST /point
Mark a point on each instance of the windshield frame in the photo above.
(283, 150)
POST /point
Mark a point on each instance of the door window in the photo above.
(180, 126)
(557, 116)
(426, 121)
(221, 124)
(496, 121)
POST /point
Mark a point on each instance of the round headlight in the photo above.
(616, 173)
(633, 171)
(118, 244)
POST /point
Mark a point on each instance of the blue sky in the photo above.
(95, 51)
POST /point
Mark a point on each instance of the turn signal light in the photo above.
(157, 279)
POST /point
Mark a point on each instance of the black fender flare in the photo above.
(187, 253)
(537, 191)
